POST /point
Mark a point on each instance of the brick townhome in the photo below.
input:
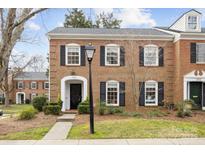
(131, 67)
(28, 85)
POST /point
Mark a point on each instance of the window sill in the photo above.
(151, 104)
(200, 63)
(112, 104)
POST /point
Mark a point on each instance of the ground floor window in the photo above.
(151, 96)
(33, 95)
(112, 90)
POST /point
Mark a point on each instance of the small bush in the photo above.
(83, 107)
(156, 113)
(131, 114)
(39, 102)
(52, 109)
(183, 109)
(27, 114)
(27, 101)
(101, 108)
(53, 103)
(59, 101)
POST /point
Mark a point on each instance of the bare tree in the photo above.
(12, 23)
(39, 64)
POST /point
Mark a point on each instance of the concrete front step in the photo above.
(70, 112)
(66, 118)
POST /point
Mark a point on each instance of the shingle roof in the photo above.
(31, 76)
(104, 31)
(177, 31)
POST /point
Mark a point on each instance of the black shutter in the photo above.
(43, 85)
(102, 91)
(142, 93)
(160, 93)
(16, 84)
(24, 85)
(122, 94)
(161, 56)
(203, 95)
(62, 55)
(29, 85)
(82, 58)
(193, 53)
(102, 55)
(141, 56)
(122, 56)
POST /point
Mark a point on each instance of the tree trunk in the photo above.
(6, 84)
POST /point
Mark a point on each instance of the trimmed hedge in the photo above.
(83, 107)
(27, 114)
(52, 109)
(39, 103)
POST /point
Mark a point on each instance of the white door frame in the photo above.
(191, 77)
(66, 105)
(17, 100)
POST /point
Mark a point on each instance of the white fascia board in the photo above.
(110, 37)
(175, 34)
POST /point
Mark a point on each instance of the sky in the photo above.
(36, 28)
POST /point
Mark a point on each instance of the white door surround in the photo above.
(17, 97)
(65, 89)
(194, 76)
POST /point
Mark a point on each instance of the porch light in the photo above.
(90, 52)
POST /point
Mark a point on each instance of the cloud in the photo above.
(131, 17)
(60, 24)
(33, 26)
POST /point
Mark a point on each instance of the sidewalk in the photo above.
(182, 141)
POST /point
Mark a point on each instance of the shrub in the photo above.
(83, 107)
(27, 114)
(183, 109)
(59, 101)
(27, 101)
(132, 114)
(101, 108)
(156, 113)
(52, 109)
(39, 102)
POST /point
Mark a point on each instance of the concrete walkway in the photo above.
(182, 141)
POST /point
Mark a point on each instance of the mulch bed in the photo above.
(14, 125)
(197, 116)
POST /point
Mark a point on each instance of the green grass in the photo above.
(15, 109)
(31, 134)
(138, 128)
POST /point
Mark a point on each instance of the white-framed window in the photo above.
(33, 85)
(151, 93)
(20, 84)
(151, 55)
(33, 95)
(192, 22)
(200, 53)
(112, 93)
(46, 95)
(112, 55)
(46, 85)
(73, 54)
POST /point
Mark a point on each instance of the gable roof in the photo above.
(184, 14)
(31, 76)
(105, 31)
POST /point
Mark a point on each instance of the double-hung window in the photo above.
(151, 55)
(20, 85)
(112, 93)
(46, 85)
(192, 22)
(151, 93)
(73, 54)
(112, 55)
(33, 85)
(200, 53)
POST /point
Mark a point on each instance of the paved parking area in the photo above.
(182, 141)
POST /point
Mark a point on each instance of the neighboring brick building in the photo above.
(131, 67)
(28, 85)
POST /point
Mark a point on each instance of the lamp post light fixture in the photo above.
(90, 52)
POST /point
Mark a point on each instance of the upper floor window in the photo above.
(192, 22)
(151, 92)
(112, 93)
(20, 84)
(112, 55)
(151, 55)
(72, 54)
(200, 53)
(46, 85)
(33, 85)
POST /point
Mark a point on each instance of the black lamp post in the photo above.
(90, 52)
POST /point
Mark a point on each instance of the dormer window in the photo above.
(192, 22)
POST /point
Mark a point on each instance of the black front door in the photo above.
(75, 95)
(196, 93)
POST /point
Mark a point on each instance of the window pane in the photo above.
(200, 53)
(150, 95)
(112, 93)
(73, 55)
(151, 56)
(112, 55)
(192, 22)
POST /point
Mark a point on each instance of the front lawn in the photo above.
(30, 134)
(15, 109)
(138, 128)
